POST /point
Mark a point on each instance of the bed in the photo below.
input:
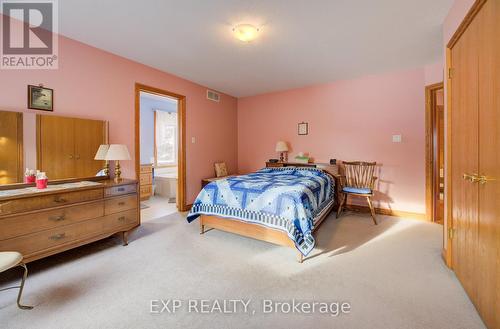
(283, 206)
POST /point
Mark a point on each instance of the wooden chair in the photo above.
(359, 180)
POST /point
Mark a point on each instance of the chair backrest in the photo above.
(359, 174)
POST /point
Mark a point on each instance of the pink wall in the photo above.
(91, 83)
(434, 73)
(348, 120)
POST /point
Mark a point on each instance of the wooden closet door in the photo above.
(488, 297)
(89, 134)
(11, 147)
(464, 135)
(55, 149)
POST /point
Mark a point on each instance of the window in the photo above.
(165, 138)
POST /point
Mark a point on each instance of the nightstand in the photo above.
(206, 181)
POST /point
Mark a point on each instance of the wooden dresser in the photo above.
(40, 224)
(146, 181)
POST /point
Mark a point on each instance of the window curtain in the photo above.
(165, 138)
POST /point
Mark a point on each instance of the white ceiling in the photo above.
(302, 42)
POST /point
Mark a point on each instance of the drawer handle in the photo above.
(121, 219)
(58, 236)
(58, 199)
(121, 203)
(58, 218)
(121, 189)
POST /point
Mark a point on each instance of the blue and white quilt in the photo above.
(287, 199)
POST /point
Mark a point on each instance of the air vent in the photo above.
(213, 96)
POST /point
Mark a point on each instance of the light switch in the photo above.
(396, 138)
(193, 140)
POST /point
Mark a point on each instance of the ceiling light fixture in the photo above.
(245, 32)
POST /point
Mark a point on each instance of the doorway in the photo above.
(160, 150)
(435, 171)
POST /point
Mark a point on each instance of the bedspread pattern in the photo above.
(287, 199)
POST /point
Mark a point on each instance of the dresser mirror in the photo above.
(62, 147)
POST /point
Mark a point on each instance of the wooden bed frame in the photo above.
(255, 231)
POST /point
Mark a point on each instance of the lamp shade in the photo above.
(281, 147)
(101, 152)
(117, 152)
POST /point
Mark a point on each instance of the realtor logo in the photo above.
(29, 39)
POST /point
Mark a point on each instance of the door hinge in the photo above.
(450, 73)
(450, 233)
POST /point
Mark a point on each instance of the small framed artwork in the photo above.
(40, 98)
(220, 169)
(303, 128)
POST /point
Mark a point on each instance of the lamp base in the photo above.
(118, 172)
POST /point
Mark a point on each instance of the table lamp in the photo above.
(282, 149)
(101, 155)
(117, 152)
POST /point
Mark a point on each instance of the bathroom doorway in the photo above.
(160, 158)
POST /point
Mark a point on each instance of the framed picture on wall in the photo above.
(303, 128)
(40, 98)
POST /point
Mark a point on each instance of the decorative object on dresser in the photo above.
(302, 158)
(303, 128)
(40, 98)
(359, 180)
(39, 223)
(220, 169)
(282, 149)
(117, 152)
(101, 155)
(146, 181)
(8, 260)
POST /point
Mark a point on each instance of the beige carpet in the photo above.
(391, 274)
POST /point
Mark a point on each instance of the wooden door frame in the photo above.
(181, 122)
(430, 106)
(448, 223)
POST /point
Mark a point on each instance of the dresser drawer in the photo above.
(146, 169)
(48, 201)
(145, 179)
(13, 226)
(126, 219)
(29, 244)
(119, 190)
(146, 190)
(119, 204)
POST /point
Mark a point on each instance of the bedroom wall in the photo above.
(91, 83)
(348, 120)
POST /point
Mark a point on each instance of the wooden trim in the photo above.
(430, 92)
(388, 212)
(155, 153)
(181, 120)
(466, 22)
(448, 222)
(20, 148)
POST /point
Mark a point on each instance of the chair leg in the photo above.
(341, 205)
(25, 275)
(371, 209)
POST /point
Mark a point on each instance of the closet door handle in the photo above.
(473, 178)
(483, 179)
